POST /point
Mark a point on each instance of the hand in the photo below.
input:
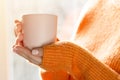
(34, 56)
(18, 27)
(18, 33)
(28, 54)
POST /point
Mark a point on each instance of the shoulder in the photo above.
(90, 11)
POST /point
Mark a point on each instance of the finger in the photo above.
(20, 42)
(26, 53)
(37, 52)
(19, 52)
(19, 39)
(17, 21)
(18, 29)
(17, 42)
(36, 62)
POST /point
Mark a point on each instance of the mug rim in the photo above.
(25, 15)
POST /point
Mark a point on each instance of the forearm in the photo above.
(89, 66)
(95, 70)
(77, 61)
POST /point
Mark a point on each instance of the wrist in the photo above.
(57, 56)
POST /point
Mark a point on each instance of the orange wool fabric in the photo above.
(94, 54)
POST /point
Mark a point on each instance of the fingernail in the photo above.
(35, 52)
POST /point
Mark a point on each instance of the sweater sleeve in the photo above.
(113, 60)
(77, 61)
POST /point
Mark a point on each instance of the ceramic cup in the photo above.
(39, 29)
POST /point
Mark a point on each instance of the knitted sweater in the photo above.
(94, 54)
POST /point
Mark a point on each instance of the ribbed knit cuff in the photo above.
(113, 60)
(57, 57)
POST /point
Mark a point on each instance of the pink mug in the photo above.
(39, 29)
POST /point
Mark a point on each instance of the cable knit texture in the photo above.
(95, 52)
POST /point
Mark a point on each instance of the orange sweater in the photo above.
(94, 54)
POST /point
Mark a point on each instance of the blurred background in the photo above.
(14, 67)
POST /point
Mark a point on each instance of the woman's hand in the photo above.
(18, 33)
(27, 54)
(34, 56)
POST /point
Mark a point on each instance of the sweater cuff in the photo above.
(57, 57)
